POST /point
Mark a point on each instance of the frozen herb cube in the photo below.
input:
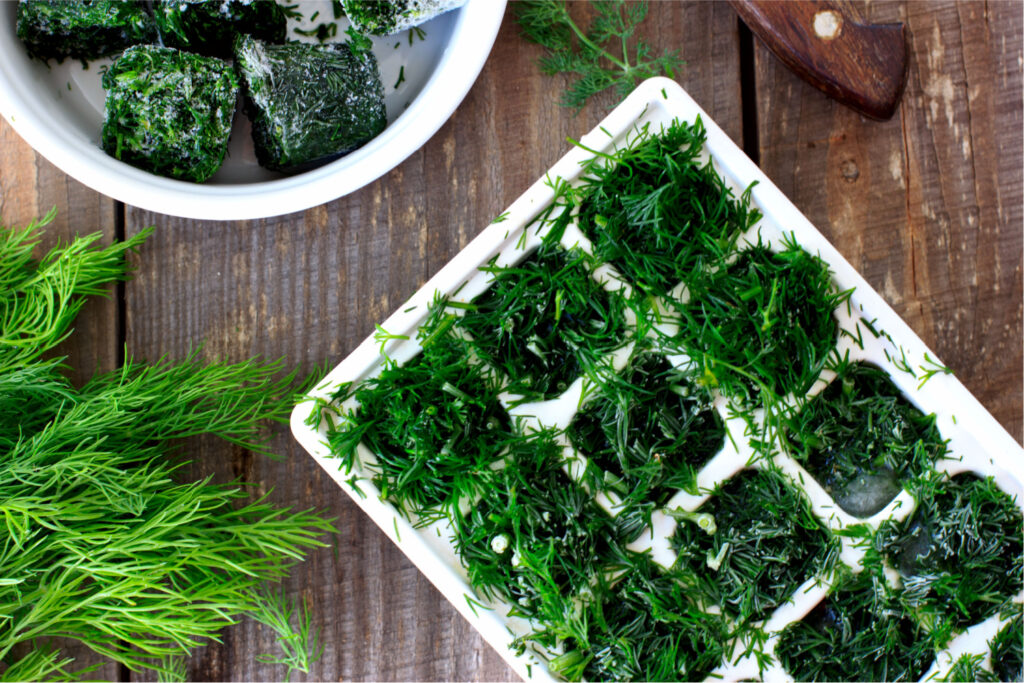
(385, 17)
(209, 27)
(309, 104)
(169, 112)
(82, 29)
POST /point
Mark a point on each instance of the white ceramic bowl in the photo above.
(58, 109)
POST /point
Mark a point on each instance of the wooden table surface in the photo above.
(927, 206)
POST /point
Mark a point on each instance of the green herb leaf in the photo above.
(600, 57)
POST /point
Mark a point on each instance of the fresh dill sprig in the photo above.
(861, 437)
(601, 56)
(300, 644)
(961, 554)
(645, 434)
(99, 540)
(858, 633)
(765, 543)
(545, 321)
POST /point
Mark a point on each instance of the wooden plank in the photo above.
(927, 206)
(29, 187)
(309, 287)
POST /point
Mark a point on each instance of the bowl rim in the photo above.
(462, 59)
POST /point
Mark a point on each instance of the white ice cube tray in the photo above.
(977, 442)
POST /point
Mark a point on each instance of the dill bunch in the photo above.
(656, 213)
(600, 56)
(545, 321)
(961, 554)
(860, 437)
(645, 434)
(763, 544)
(858, 633)
(100, 541)
(763, 326)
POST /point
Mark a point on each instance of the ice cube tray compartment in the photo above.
(869, 332)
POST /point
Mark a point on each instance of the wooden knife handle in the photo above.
(864, 66)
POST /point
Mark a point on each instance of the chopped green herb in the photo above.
(309, 104)
(82, 29)
(658, 215)
(766, 543)
(646, 433)
(1008, 650)
(856, 634)
(860, 438)
(387, 17)
(763, 325)
(434, 424)
(544, 322)
(210, 28)
(961, 553)
(169, 112)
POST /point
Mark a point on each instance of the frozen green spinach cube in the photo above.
(309, 103)
(209, 27)
(385, 17)
(169, 112)
(82, 29)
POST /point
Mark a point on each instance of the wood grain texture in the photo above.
(309, 287)
(29, 187)
(927, 206)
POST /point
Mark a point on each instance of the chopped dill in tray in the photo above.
(961, 554)
(646, 433)
(1008, 650)
(642, 624)
(856, 634)
(545, 321)
(860, 438)
(764, 544)
(706, 310)
(658, 215)
(766, 321)
(536, 536)
(434, 425)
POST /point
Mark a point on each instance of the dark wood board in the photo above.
(927, 205)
